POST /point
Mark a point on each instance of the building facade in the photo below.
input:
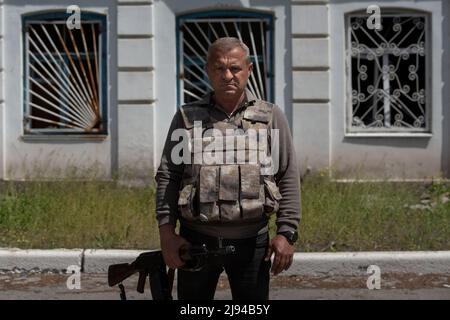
(365, 100)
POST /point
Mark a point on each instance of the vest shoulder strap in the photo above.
(194, 112)
(260, 111)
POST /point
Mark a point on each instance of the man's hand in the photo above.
(284, 253)
(170, 246)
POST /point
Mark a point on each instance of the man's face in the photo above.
(228, 72)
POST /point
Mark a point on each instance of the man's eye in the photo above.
(235, 69)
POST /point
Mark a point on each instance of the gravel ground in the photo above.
(53, 286)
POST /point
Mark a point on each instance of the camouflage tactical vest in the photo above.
(232, 190)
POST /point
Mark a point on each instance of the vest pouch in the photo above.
(272, 197)
(186, 201)
(253, 209)
(252, 193)
(209, 193)
(229, 193)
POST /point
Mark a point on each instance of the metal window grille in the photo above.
(198, 31)
(64, 75)
(388, 74)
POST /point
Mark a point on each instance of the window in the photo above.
(195, 32)
(64, 75)
(388, 74)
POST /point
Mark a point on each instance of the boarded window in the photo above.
(388, 70)
(65, 70)
(197, 31)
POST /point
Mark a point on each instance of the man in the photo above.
(220, 203)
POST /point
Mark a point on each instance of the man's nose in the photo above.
(227, 75)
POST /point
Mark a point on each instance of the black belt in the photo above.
(211, 242)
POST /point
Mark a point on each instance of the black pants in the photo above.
(247, 272)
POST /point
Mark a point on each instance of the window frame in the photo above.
(60, 17)
(232, 13)
(392, 131)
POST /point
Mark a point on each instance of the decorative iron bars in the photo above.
(388, 69)
(63, 81)
(198, 31)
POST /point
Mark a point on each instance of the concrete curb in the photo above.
(39, 260)
(97, 261)
(312, 264)
(357, 263)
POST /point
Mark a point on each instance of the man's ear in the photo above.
(250, 67)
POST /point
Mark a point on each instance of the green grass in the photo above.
(336, 216)
(77, 215)
(372, 216)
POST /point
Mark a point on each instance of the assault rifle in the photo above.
(152, 264)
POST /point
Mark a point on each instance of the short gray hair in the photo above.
(226, 44)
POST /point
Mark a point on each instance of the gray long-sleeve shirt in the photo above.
(169, 176)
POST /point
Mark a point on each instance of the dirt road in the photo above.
(37, 286)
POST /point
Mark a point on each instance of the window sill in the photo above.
(68, 137)
(388, 135)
